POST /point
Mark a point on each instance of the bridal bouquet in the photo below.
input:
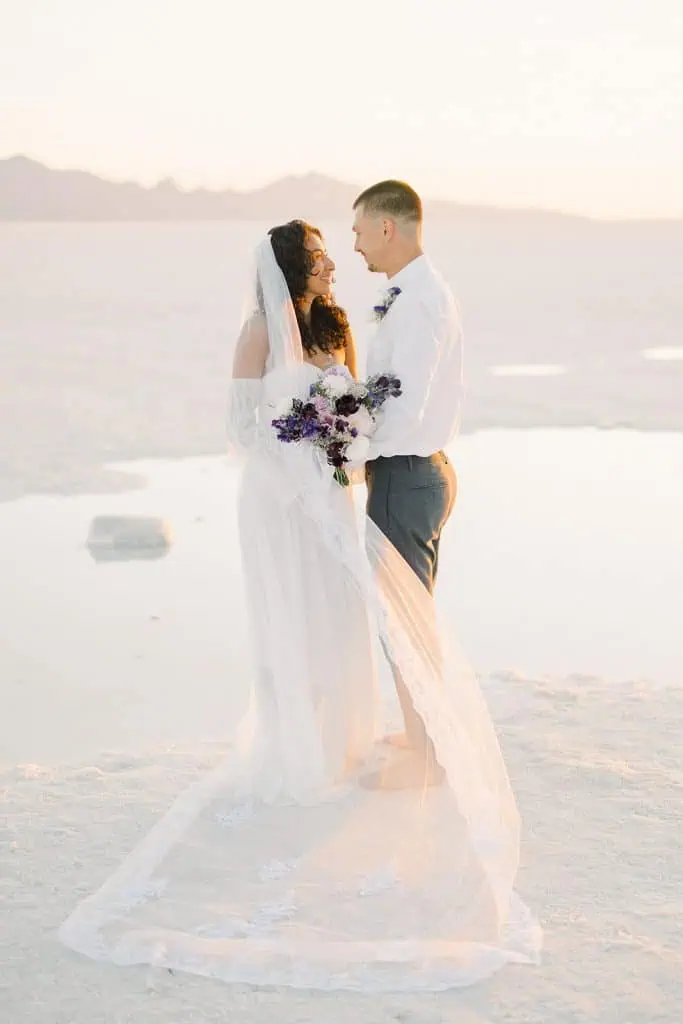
(338, 416)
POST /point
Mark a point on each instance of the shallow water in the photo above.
(564, 556)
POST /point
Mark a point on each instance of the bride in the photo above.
(278, 867)
(315, 694)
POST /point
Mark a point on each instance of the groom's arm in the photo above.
(418, 337)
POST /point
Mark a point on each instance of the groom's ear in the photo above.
(388, 228)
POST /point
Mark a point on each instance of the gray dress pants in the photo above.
(410, 498)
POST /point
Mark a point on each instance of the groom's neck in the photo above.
(402, 258)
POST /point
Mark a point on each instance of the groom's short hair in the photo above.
(393, 199)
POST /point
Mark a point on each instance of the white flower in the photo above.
(283, 407)
(358, 449)
(363, 422)
(335, 385)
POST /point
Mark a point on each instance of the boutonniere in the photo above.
(382, 308)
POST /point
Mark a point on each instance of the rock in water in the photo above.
(123, 538)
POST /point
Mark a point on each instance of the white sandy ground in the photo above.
(118, 683)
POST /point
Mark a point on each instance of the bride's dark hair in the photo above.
(329, 326)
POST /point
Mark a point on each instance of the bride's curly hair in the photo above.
(329, 326)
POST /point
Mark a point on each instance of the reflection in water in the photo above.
(126, 538)
(127, 554)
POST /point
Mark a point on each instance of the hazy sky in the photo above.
(570, 104)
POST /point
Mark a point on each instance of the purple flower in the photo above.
(335, 454)
(329, 417)
(381, 387)
(382, 308)
(321, 404)
(347, 405)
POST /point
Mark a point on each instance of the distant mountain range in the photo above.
(30, 191)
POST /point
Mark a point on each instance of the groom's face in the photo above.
(371, 239)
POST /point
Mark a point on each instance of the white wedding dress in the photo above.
(277, 868)
(315, 696)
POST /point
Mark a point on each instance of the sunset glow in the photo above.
(574, 107)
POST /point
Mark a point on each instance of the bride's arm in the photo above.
(244, 392)
(351, 356)
(251, 351)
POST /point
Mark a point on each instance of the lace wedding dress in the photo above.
(277, 867)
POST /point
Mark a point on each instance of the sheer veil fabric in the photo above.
(276, 867)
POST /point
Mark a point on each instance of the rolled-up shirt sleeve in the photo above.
(416, 346)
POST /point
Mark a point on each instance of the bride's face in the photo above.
(321, 277)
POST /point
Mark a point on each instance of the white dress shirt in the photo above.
(420, 341)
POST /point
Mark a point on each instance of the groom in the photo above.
(411, 483)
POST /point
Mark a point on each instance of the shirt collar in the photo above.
(412, 272)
